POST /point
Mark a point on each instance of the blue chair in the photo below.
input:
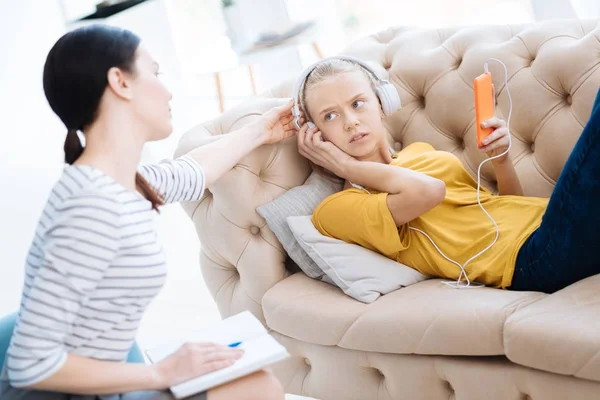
(7, 325)
(6, 329)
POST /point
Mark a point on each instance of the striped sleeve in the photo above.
(177, 180)
(78, 248)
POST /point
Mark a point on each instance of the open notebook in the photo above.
(260, 351)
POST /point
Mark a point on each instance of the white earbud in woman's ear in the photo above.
(311, 125)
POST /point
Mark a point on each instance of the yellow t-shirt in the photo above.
(458, 225)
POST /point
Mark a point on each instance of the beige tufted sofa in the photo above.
(426, 341)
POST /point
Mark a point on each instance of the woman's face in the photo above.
(151, 97)
(347, 112)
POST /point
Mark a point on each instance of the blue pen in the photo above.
(236, 344)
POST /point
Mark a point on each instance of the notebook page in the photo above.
(237, 328)
(258, 353)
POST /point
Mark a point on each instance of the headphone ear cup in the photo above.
(389, 98)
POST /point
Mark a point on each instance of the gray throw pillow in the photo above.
(361, 273)
(300, 200)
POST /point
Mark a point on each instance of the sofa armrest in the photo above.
(240, 257)
(560, 333)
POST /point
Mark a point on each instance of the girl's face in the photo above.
(151, 97)
(346, 110)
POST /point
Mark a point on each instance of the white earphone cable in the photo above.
(459, 282)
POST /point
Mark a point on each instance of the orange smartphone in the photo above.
(484, 104)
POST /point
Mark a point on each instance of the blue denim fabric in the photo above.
(563, 249)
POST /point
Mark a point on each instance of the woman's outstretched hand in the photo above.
(312, 146)
(276, 124)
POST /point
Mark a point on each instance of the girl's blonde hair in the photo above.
(321, 72)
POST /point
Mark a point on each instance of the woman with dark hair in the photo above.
(95, 262)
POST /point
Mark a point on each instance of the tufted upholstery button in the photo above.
(459, 61)
(397, 146)
(532, 147)
(378, 372)
(307, 361)
(254, 230)
(422, 101)
(569, 99)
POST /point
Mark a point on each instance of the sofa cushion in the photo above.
(425, 318)
(560, 333)
(298, 201)
(344, 263)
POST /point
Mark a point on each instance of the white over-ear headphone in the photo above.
(386, 92)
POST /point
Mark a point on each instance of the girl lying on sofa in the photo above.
(397, 204)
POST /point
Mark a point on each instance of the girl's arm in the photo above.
(507, 178)
(410, 193)
(495, 145)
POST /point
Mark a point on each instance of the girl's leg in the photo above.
(563, 249)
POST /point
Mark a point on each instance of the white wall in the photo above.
(31, 136)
